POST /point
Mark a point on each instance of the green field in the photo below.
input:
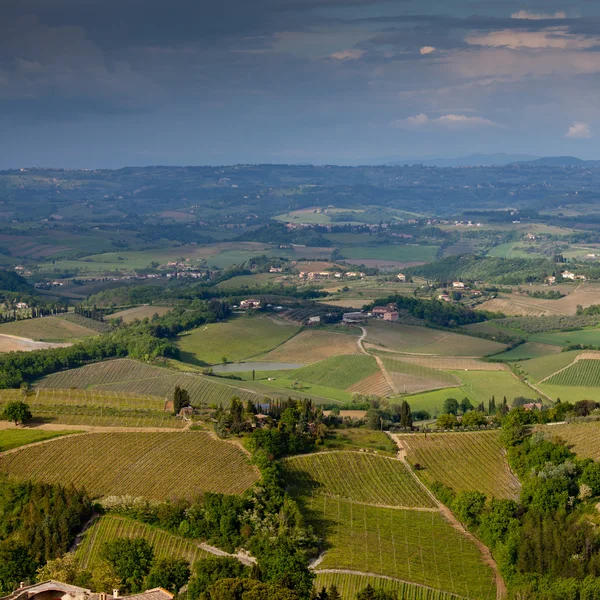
(360, 477)
(480, 386)
(108, 528)
(339, 372)
(564, 338)
(570, 393)
(98, 408)
(349, 585)
(14, 438)
(540, 368)
(137, 464)
(526, 351)
(415, 546)
(396, 337)
(463, 461)
(299, 389)
(416, 378)
(130, 377)
(237, 339)
(582, 373)
(433, 402)
(404, 253)
(48, 329)
(249, 281)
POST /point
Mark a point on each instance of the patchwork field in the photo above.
(126, 376)
(449, 363)
(349, 585)
(235, 340)
(583, 372)
(397, 253)
(339, 372)
(312, 346)
(528, 350)
(48, 329)
(107, 409)
(139, 312)
(583, 438)
(463, 461)
(396, 337)
(375, 384)
(12, 343)
(108, 528)
(421, 547)
(538, 369)
(360, 477)
(137, 464)
(14, 438)
(433, 401)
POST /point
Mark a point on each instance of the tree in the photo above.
(446, 421)
(405, 415)
(465, 405)
(474, 418)
(370, 593)
(450, 406)
(181, 399)
(373, 419)
(169, 573)
(65, 569)
(468, 506)
(492, 406)
(131, 560)
(208, 571)
(334, 593)
(18, 412)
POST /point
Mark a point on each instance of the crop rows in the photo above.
(411, 378)
(376, 385)
(348, 585)
(157, 465)
(359, 477)
(131, 377)
(463, 461)
(339, 372)
(583, 437)
(415, 546)
(85, 407)
(584, 372)
(452, 363)
(109, 528)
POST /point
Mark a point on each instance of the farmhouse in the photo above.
(354, 317)
(22, 305)
(56, 590)
(392, 315)
(458, 285)
(551, 280)
(313, 320)
(379, 311)
(401, 277)
(250, 303)
(568, 275)
(275, 270)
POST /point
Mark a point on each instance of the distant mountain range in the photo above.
(500, 159)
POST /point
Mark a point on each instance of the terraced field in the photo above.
(108, 528)
(582, 437)
(360, 477)
(397, 337)
(157, 465)
(421, 547)
(411, 378)
(237, 339)
(312, 346)
(48, 329)
(348, 585)
(108, 409)
(463, 461)
(126, 376)
(339, 372)
(583, 372)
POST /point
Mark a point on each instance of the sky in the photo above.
(110, 83)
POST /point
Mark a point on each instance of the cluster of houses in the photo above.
(312, 275)
(56, 590)
(387, 313)
(572, 276)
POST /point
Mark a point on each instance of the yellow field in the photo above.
(47, 329)
(451, 363)
(312, 346)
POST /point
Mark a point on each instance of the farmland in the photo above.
(376, 384)
(410, 339)
(434, 401)
(338, 371)
(137, 464)
(528, 350)
(48, 329)
(140, 312)
(583, 372)
(313, 346)
(463, 461)
(125, 376)
(543, 367)
(349, 585)
(108, 528)
(14, 438)
(421, 547)
(570, 393)
(482, 385)
(360, 477)
(393, 252)
(583, 438)
(416, 378)
(448, 363)
(107, 409)
(236, 340)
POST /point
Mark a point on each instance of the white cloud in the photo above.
(552, 37)
(348, 54)
(579, 131)
(450, 121)
(427, 49)
(525, 14)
